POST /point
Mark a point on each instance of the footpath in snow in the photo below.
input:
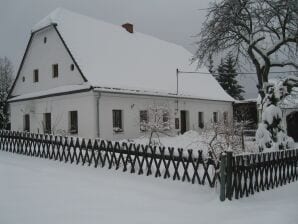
(34, 191)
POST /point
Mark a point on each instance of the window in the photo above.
(176, 123)
(215, 117)
(44, 40)
(165, 116)
(72, 67)
(73, 122)
(23, 78)
(47, 122)
(201, 119)
(117, 121)
(27, 122)
(55, 70)
(143, 119)
(35, 75)
(225, 116)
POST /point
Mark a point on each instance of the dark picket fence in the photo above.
(247, 174)
(176, 164)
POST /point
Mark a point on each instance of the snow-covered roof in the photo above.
(110, 56)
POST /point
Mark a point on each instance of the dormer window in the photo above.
(35, 75)
(55, 70)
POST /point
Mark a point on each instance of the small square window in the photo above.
(35, 75)
(55, 70)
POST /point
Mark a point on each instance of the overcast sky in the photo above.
(176, 21)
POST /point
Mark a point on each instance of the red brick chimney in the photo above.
(128, 27)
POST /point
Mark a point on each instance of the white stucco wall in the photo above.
(132, 104)
(59, 108)
(85, 104)
(42, 56)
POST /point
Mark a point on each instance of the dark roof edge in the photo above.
(52, 95)
(70, 54)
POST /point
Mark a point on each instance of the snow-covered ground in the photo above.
(34, 190)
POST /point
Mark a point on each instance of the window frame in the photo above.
(117, 119)
(47, 123)
(26, 122)
(215, 117)
(144, 118)
(35, 75)
(55, 70)
(73, 117)
(201, 122)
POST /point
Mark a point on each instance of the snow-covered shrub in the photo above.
(271, 134)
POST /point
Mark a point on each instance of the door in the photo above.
(183, 118)
(292, 125)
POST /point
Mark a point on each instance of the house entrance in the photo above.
(184, 121)
(292, 125)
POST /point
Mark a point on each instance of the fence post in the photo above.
(229, 175)
(223, 164)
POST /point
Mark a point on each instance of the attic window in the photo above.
(55, 70)
(35, 75)
(72, 67)
(44, 39)
(23, 78)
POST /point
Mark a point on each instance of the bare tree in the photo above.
(6, 71)
(265, 32)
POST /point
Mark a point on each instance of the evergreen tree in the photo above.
(227, 78)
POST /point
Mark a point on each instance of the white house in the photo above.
(93, 79)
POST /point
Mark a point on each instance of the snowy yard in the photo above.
(41, 191)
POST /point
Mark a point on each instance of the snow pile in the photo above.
(109, 56)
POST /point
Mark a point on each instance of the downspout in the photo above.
(97, 98)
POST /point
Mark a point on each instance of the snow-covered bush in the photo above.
(271, 134)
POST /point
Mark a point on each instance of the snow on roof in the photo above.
(53, 91)
(110, 56)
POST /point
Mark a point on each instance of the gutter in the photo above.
(97, 98)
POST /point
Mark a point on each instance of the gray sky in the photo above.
(172, 20)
